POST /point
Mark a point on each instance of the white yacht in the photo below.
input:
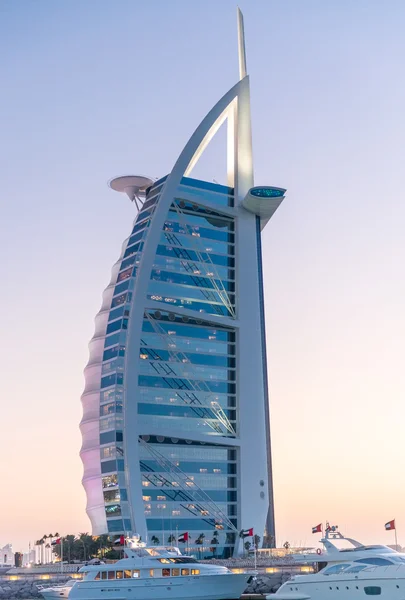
(56, 592)
(153, 573)
(348, 572)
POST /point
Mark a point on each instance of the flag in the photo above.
(120, 540)
(390, 525)
(183, 537)
(317, 529)
(56, 542)
(246, 533)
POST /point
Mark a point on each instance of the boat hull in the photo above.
(228, 586)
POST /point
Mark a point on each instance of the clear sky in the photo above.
(90, 90)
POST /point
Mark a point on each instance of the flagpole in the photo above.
(254, 547)
(396, 541)
(61, 554)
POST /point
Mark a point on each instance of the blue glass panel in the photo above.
(177, 383)
(196, 525)
(115, 378)
(127, 524)
(154, 340)
(207, 185)
(221, 235)
(191, 280)
(184, 266)
(121, 299)
(121, 287)
(175, 252)
(191, 331)
(123, 495)
(180, 369)
(151, 202)
(195, 243)
(217, 222)
(135, 237)
(108, 466)
(139, 226)
(110, 408)
(115, 325)
(200, 307)
(113, 352)
(127, 262)
(120, 465)
(112, 340)
(115, 525)
(117, 312)
(194, 359)
(135, 248)
(125, 274)
(192, 467)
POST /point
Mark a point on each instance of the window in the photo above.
(166, 572)
(336, 569)
(372, 590)
(151, 573)
(97, 576)
(175, 572)
(127, 574)
(195, 571)
(136, 573)
(185, 572)
(104, 575)
(110, 574)
(375, 561)
(119, 574)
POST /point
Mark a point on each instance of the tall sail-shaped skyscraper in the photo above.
(176, 432)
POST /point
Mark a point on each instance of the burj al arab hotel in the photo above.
(175, 427)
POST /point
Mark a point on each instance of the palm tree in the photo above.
(171, 539)
(214, 543)
(199, 541)
(155, 540)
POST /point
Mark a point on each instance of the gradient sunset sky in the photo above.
(91, 90)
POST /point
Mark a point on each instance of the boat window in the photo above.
(372, 590)
(356, 569)
(374, 560)
(103, 574)
(336, 569)
(175, 572)
(151, 573)
(136, 573)
(185, 571)
(127, 574)
(110, 574)
(119, 574)
(165, 561)
(195, 571)
(166, 572)
(97, 576)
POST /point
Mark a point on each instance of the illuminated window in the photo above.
(185, 572)
(146, 483)
(195, 571)
(217, 470)
(160, 497)
(127, 574)
(151, 573)
(97, 576)
(203, 470)
(119, 575)
(136, 573)
(176, 572)
(166, 572)
(175, 513)
(146, 498)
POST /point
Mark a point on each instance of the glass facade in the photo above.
(186, 369)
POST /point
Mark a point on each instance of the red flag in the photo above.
(55, 542)
(317, 529)
(246, 532)
(390, 525)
